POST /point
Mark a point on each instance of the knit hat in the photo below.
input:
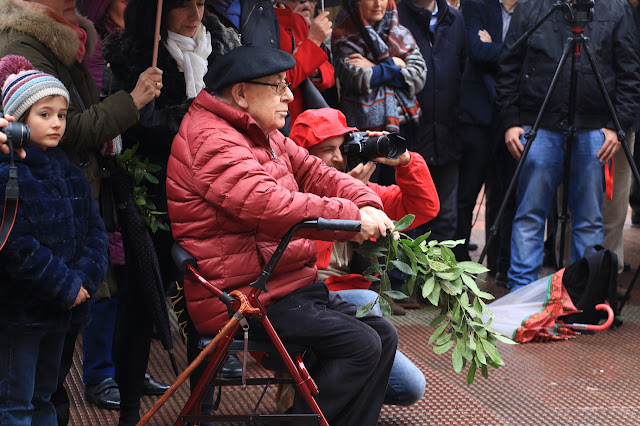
(22, 86)
(314, 126)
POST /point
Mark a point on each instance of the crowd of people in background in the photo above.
(445, 75)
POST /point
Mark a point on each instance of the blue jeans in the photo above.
(539, 178)
(406, 382)
(97, 341)
(29, 364)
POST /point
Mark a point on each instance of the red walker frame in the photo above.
(244, 307)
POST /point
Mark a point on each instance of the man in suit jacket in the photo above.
(486, 23)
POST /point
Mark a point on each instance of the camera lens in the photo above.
(18, 134)
(377, 146)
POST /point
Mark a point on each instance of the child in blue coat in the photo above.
(56, 254)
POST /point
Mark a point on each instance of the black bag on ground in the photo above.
(592, 280)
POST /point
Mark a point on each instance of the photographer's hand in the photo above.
(374, 223)
(610, 146)
(512, 139)
(363, 172)
(402, 160)
(4, 122)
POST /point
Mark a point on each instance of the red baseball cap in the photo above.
(317, 125)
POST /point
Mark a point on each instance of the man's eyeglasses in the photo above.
(280, 87)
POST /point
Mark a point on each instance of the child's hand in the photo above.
(83, 295)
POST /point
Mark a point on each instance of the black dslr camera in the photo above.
(358, 147)
(18, 134)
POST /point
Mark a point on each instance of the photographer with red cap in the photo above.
(322, 132)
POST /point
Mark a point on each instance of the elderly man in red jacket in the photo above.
(235, 185)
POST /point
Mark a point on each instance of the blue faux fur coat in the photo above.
(57, 244)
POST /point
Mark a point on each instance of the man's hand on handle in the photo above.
(374, 223)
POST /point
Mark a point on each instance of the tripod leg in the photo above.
(530, 136)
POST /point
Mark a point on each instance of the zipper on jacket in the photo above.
(275, 157)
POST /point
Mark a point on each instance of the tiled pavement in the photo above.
(589, 380)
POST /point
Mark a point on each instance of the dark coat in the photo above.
(525, 73)
(258, 22)
(478, 81)
(436, 137)
(58, 243)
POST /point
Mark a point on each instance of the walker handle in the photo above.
(338, 225)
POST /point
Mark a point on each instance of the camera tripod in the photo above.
(578, 15)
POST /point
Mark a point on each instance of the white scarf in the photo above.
(191, 55)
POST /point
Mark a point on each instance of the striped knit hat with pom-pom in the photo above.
(22, 86)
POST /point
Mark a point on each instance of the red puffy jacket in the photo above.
(232, 195)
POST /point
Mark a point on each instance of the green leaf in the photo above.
(138, 174)
(492, 352)
(438, 266)
(477, 307)
(443, 339)
(449, 274)
(480, 355)
(151, 178)
(140, 201)
(395, 294)
(470, 282)
(485, 373)
(472, 267)
(434, 297)
(413, 261)
(409, 286)
(437, 333)
(428, 285)
(365, 309)
(384, 307)
(437, 320)
(448, 243)
(372, 252)
(403, 267)
(422, 259)
(450, 288)
(456, 359)
(385, 284)
(472, 373)
(443, 348)
(420, 239)
(505, 339)
(404, 223)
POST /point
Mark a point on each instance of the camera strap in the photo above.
(10, 202)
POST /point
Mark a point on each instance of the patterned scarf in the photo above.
(385, 105)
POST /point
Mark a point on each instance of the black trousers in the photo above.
(134, 329)
(354, 356)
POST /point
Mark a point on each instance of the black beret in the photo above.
(245, 63)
